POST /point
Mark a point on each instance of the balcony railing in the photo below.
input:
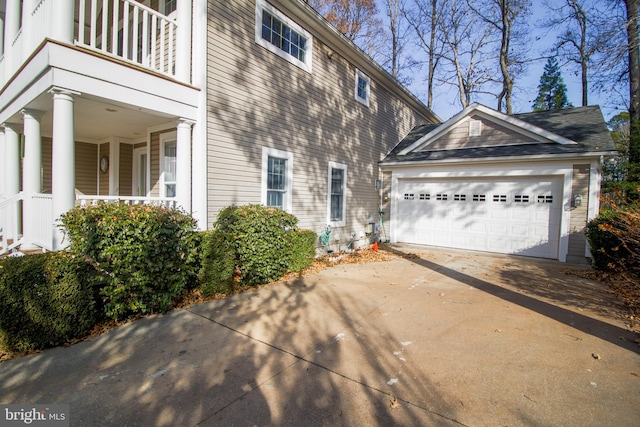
(129, 31)
(10, 230)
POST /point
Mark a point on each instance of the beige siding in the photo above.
(491, 135)
(578, 223)
(257, 99)
(155, 164)
(86, 168)
(126, 169)
(104, 177)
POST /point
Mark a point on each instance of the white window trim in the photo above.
(164, 137)
(361, 75)
(343, 223)
(288, 197)
(263, 5)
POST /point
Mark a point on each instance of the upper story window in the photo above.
(168, 6)
(363, 87)
(279, 34)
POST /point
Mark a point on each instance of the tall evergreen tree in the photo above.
(552, 92)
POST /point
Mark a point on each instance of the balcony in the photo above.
(124, 30)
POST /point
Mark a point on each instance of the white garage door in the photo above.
(516, 216)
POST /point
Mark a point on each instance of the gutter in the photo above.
(599, 154)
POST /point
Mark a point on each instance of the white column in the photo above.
(12, 22)
(62, 21)
(183, 164)
(63, 159)
(183, 42)
(11, 176)
(31, 175)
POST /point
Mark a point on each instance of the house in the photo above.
(523, 184)
(204, 104)
(190, 103)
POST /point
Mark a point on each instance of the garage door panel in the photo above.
(517, 216)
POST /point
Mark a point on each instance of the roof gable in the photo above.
(496, 129)
(579, 131)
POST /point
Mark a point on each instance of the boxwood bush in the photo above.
(142, 253)
(45, 300)
(258, 243)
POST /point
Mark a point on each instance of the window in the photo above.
(337, 194)
(363, 84)
(500, 198)
(479, 197)
(408, 196)
(169, 159)
(169, 6)
(459, 197)
(280, 35)
(521, 198)
(442, 197)
(475, 127)
(277, 174)
(545, 199)
(425, 196)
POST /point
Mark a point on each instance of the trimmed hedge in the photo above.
(258, 242)
(144, 254)
(45, 300)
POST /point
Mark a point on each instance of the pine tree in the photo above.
(552, 92)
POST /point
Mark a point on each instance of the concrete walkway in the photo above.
(444, 338)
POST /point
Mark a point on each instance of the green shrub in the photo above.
(302, 249)
(607, 250)
(141, 252)
(218, 264)
(45, 300)
(261, 243)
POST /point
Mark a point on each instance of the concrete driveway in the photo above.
(443, 338)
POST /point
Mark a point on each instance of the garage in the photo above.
(523, 184)
(515, 216)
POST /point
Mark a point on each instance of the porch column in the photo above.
(1, 35)
(183, 164)
(63, 159)
(11, 28)
(62, 21)
(31, 174)
(11, 176)
(183, 42)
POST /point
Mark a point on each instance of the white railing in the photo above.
(130, 31)
(42, 235)
(10, 230)
(85, 200)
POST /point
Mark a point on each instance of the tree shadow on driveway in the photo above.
(548, 294)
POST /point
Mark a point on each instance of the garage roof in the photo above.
(575, 131)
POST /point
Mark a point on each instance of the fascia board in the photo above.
(494, 116)
(541, 157)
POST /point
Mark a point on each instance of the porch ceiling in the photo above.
(97, 119)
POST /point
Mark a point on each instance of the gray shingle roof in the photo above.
(584, 125)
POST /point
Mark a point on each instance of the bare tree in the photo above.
(424, 17)
(467, 55)
(357, 19)
(397, 61)
(582, 36)
(634, 84)
(506, 16)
